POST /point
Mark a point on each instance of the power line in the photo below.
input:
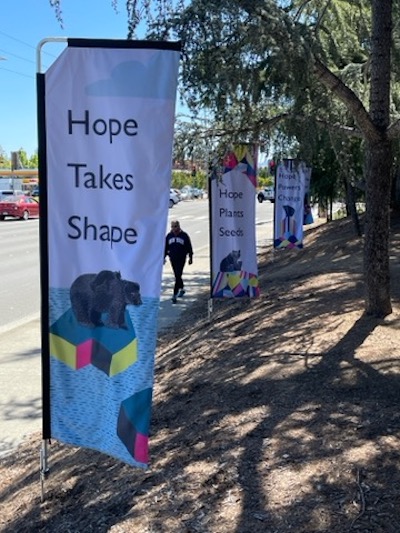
(15, 39)
(18, 57)
(7, 53)
(19, 73)
(23, 42)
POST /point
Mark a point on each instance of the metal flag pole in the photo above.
(44, 263)
(44, 468)
(210, 299)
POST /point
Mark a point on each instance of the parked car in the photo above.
(35, 192)
(186, 192)
(6, 193)
(198, 193)
(178, 193)
(19, 206)
(268, 193)
(173, 198)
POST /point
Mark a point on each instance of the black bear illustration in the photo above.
(231, 262)
(105, 292)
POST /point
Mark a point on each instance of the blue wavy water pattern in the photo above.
(85, 403)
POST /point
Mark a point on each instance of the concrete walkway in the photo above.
(20, 357)
(20, 350)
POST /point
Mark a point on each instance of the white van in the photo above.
(268, 193)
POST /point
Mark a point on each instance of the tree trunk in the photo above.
(377, 228)
(351, 206)
(379, 160)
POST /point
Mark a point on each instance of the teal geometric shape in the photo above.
(113, 340)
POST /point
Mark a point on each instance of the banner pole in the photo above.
(210, 308)
(69, 142)
(43, 245)
(210, 222)
(44, 469)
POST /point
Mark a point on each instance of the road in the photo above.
(19, 265)
(19, 272)
(194, 219)
(20, 355)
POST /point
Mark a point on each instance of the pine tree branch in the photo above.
(324, 10)
(267, 123)
(348, 98)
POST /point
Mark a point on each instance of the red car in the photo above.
(20, 206)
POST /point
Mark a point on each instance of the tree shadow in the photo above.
(268, 418)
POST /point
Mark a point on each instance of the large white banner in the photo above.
(108, 118)
(234, 256)
(289, 203)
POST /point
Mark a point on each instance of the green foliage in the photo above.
(264, 177)
(27, 161)
(250, 61)
(180, 178)
(309, 66)
(4, 159)
(192, 141)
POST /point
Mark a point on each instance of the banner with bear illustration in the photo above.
(234, 270)
(106, 116)
(290, 186)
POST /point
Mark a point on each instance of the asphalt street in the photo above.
(20, 371)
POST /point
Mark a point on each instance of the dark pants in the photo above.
(177, 267)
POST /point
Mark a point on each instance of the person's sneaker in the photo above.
(181, 293)
(174, 299)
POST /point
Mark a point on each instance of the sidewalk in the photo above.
(20, 384)
(196, 278)
(20, 357)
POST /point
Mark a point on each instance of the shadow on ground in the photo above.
(279, 414)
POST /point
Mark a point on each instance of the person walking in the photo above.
(177, 247)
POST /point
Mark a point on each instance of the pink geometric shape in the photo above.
(84, 353)
(239, 288)
(141, 448)
(230, 161)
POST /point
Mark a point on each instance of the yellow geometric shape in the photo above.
(63, 350)
(233, 280)
(241, 151)
(124, 358)
(283, 244)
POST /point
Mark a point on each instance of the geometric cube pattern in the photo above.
(78, 346)
(289, 235)
(289, 242)
(93, 352)
(235, 284)
(112, 351)
(133, 424)
(243, 155)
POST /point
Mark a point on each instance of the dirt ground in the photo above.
(279, 414)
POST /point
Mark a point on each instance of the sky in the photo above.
(23, 25)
